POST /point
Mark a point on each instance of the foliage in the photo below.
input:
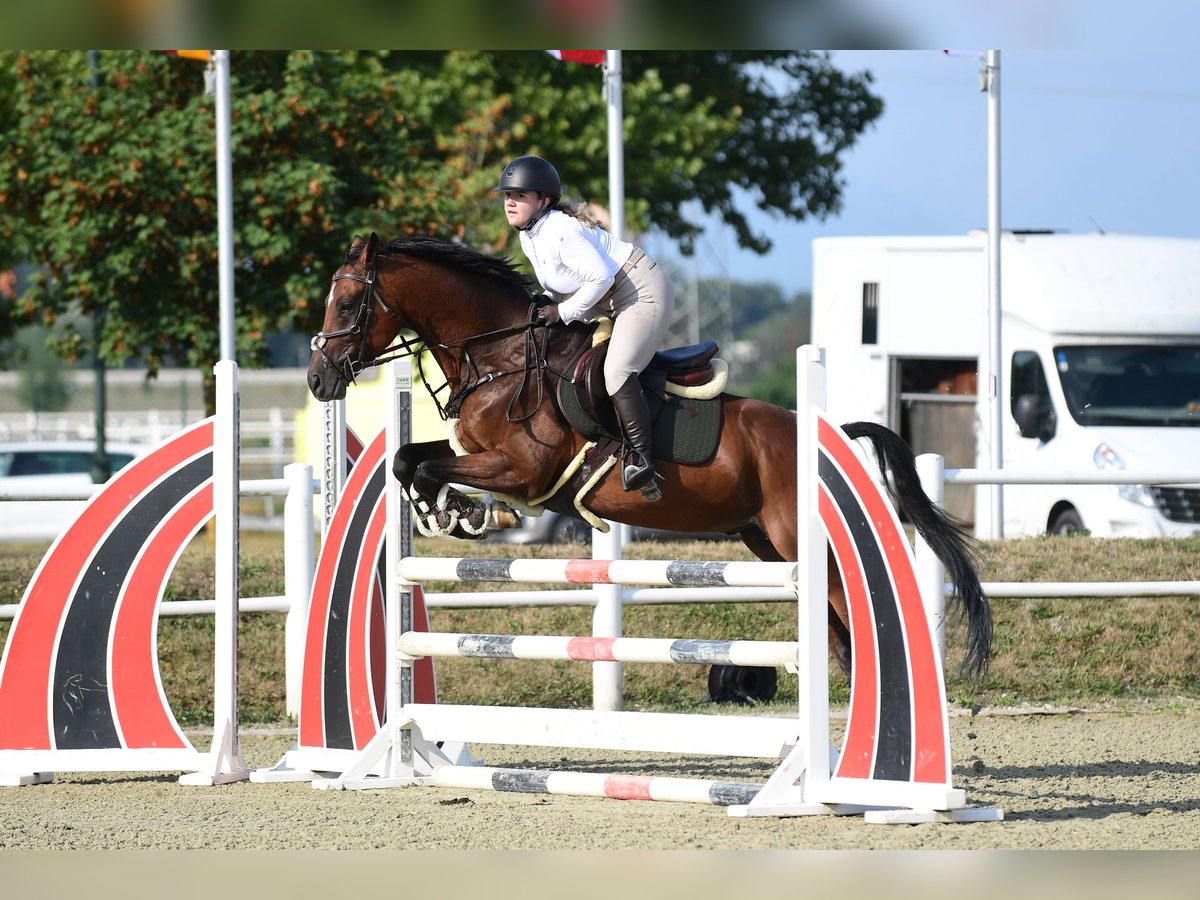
(108, 182)
(771, 373)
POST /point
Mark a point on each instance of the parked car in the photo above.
(552, 528)
(43, 468)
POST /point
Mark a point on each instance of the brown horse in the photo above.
(472, 313)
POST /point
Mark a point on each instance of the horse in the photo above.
(474, 315)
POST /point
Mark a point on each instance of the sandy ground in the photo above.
(1077, 780)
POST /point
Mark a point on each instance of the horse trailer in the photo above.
(1100, 366)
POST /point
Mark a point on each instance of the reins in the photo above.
(352, 367)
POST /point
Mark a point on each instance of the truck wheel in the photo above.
(568, 530)
(1066, 522)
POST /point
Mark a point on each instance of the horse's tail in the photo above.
(951, 545)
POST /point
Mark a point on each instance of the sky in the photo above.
(1089, 140)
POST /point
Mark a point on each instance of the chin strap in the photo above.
(536, 217)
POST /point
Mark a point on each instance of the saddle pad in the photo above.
(685, 430)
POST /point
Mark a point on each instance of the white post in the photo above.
(398, 615)
(297, 573)
(931, 574)
(225, 762)
(607, 677)
(607, 692)
(333, 457)
(995, 361)
(812, 575)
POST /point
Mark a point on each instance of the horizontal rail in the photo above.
(1088, 588)
(586, 597)
(596, 784)
(596, 649)
(1067, 476)
(762, 737)
(592, 571)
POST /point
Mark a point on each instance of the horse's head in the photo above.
(348, 342)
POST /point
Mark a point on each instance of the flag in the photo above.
(584, 57)
(204, 55)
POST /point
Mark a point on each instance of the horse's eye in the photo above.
(344, 309)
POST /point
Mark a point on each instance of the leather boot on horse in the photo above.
(634, 416)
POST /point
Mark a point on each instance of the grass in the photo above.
(1046, 651)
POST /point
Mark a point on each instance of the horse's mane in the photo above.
(461, 257)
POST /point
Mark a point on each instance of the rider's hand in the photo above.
(546, 315)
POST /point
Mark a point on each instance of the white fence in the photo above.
(268, 438)
(934, 476)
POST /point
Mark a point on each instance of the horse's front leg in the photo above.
(493, 471)
(440, 508)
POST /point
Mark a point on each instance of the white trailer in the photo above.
(1100, 365)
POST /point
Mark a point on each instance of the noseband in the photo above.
(349, 369)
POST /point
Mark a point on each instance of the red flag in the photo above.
(204, 55)
(585, 57)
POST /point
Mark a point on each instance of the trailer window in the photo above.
(870, 312)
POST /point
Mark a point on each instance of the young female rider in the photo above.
(604, 276)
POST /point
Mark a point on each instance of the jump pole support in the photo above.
(803, 784)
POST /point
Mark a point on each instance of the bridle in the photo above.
(350, 368)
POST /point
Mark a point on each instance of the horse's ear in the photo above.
(367, 259)
(356, 246)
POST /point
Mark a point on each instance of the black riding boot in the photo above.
(634, 416)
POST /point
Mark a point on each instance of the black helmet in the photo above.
(530, 173)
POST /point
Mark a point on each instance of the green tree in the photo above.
(110, 190)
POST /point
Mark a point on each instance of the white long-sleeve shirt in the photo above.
(570, 258)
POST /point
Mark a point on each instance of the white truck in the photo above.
(1100, 365)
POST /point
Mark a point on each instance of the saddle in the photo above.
(687, 418)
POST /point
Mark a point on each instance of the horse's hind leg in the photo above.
(839, 618)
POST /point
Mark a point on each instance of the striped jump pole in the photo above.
(600, 571)
(593, 649)
(594, 784)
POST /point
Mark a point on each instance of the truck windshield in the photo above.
(1131, 384)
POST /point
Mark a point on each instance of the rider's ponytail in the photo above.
(578, 209)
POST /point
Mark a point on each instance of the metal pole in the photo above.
(995, 360)
(224, 204)
(616, 142)
(101, 464)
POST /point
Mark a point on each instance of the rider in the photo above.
(604, 276)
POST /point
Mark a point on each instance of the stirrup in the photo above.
(635, 477)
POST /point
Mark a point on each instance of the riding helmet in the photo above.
(530, 173)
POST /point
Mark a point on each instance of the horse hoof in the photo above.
(503, 517)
